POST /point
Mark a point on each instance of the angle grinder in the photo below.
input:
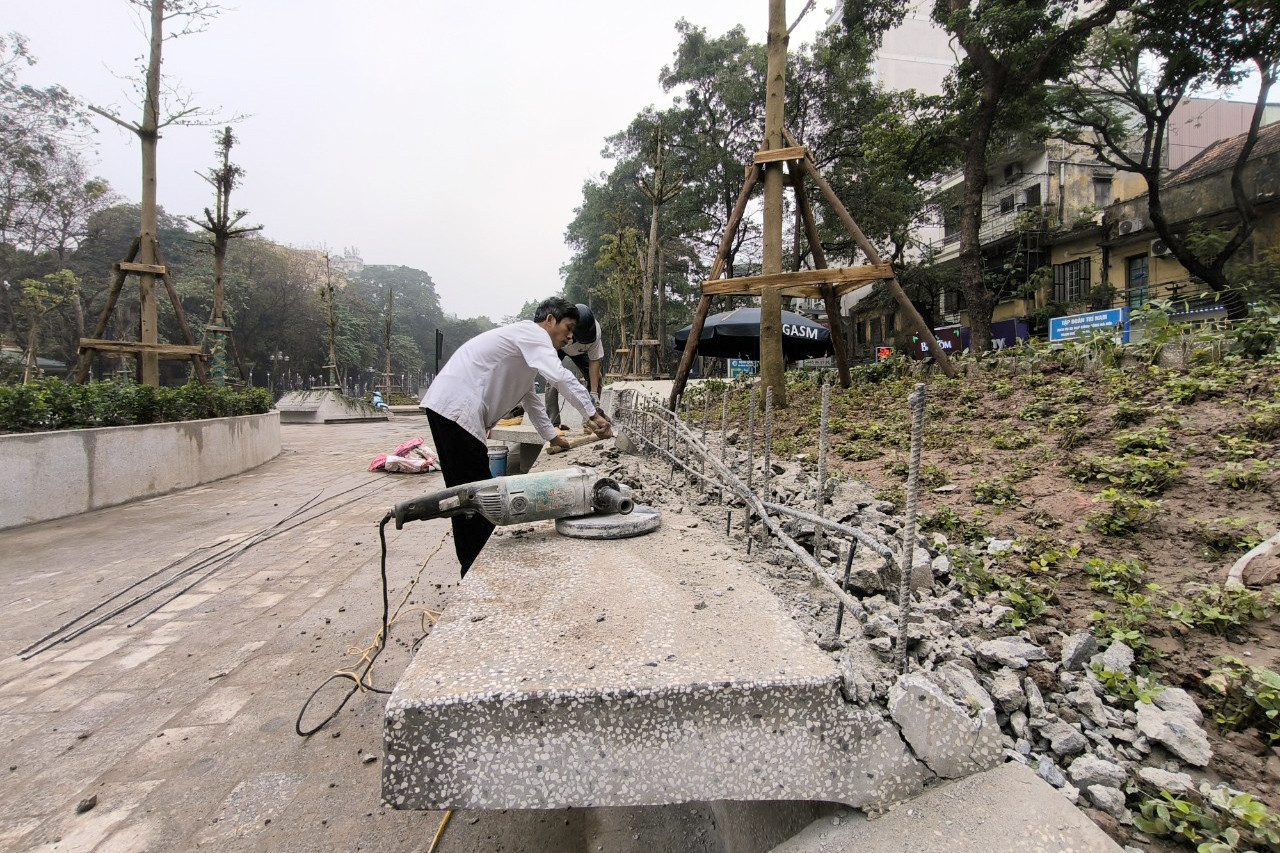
(519, 498)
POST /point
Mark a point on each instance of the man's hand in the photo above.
(602, 426)
(561, 442)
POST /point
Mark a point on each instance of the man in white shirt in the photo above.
(485, 379)
(586, 350)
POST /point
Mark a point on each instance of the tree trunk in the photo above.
(650, 274)
(771, 359)
(148, 134)
(979, 301)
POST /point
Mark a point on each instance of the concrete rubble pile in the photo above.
(996, 694)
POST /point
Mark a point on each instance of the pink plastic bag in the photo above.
(379, 462)
(403, 449)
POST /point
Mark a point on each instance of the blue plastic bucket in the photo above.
(498, 460)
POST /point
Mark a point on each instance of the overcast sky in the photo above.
(451, 137)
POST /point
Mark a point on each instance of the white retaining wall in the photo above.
(46, 475)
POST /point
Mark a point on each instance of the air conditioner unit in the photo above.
(1013, 171)
(1129, 226)
(1159, 248)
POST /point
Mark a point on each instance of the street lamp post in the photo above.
(278, 358)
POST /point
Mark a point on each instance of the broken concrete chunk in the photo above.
(1178, 701)
(1036, 709)
(1174, 783)
(1077, 649)
(1087, 771)
(952, 740)
(1177, 732)
(1117, 658)
(1050, 773)
(1064, 739)
(1006, 689)
(1013, 652)
(1084, 700)
(1109, 800)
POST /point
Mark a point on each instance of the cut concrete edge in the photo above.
(398, 704)
(1008, 809)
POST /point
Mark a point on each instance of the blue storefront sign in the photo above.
(741, 367)
(1070, 327)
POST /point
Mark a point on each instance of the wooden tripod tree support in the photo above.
(826, 283)
(149, 348)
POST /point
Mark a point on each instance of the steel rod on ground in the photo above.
(916, 401)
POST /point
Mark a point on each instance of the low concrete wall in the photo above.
(48, 475)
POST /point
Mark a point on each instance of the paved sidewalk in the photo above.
(182, 725)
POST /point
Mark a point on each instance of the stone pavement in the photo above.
(182, 726)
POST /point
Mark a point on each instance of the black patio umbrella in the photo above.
(736, 334)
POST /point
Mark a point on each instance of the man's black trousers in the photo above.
(463, 459)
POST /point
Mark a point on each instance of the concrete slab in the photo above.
(612, 673)
(325, 407)
(1005, 810)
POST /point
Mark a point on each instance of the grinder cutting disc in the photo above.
(642, 519)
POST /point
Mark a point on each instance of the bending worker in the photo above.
(484, 380)
(586, 351)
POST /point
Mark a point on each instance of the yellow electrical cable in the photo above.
(440, 831)
(364, 653)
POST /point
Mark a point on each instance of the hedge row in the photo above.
(51, 404)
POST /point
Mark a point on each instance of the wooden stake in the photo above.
(828, 292)
(939, 355)
(113, 295)
(704, 303)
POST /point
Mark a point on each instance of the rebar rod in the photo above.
(724, 424)
(768, 442)
(821, 499)
(834, 526)
(755, 504)
(848, 567)
(916, 401)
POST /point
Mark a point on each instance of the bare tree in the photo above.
(180, 17)
(221, 224)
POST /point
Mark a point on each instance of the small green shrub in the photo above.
(1220, 610)
(1143, 474)
(1239, 448)
(859, 451)
(1223, 535)
(1248, 697)
(1029, 598)
(1121, 514)
(994, 492)
(1263, 424)
(1216, 820)
(1143, 440)
(1011, 439)
(1113, 576)
(1129, 414)
(1130, 690)
(947, 520)
(1240, 476)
